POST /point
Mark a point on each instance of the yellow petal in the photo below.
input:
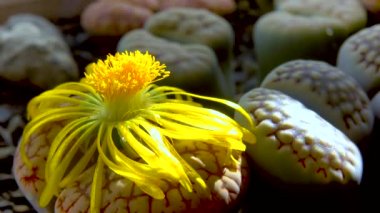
(79, 167)
(96, 187)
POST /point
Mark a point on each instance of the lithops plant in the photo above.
(351, 13)
(52, 10)
(359, 56)
(330, 92)
(194, 67)
(373, 8)
(221, 7)
(295, 145)
(371, 5)
(305, 29)
(375, 104)
(115, 142)
(114, 17)
(34, 53)
(199, 26)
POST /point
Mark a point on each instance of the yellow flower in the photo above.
(116, 114)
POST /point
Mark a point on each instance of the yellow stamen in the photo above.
(124, 74)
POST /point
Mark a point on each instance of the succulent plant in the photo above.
(221, 7)
(297, 146)
(33, 53)
(194, 67)
(328, 91)
(197, 26)
(375, 104)
(113, 17)
(305, 29)
(115, 140)
(359, 57)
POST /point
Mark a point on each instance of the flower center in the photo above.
(124, 74)
(121, 109)
(120, 80)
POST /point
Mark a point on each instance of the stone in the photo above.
(10, 121)
(328, 91)
(193, 67)
(198, 26)
(32, 50)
